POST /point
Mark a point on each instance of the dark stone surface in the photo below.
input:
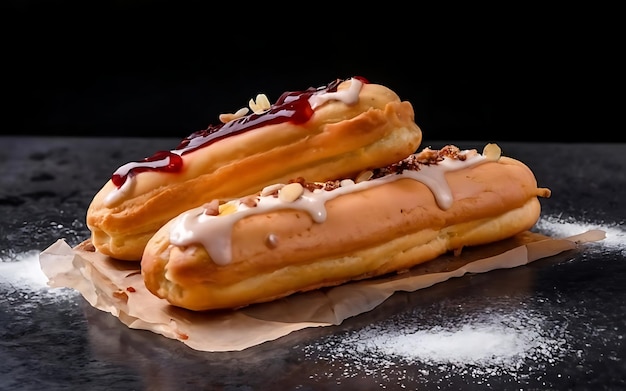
(47, 183)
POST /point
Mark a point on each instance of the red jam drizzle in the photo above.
(292, 106)
(175, 164)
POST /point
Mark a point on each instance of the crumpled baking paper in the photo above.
(117, 287)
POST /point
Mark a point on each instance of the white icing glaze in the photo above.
(125, 169)
(214, 232)
(349, 97)
(433, 177)
(117, 194)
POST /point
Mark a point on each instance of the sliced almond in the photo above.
(260, 105)
(492, 152)
(290, 192)
(271, 189)
(364, 176)
(227, 117)
(346, 182)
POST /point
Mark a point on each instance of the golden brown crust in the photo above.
(339, 140)
(379, 230)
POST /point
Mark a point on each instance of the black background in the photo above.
(166, 69)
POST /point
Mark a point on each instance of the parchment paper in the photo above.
(117, 287)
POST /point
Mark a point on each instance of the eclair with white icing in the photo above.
(320, 133)
(302, 235)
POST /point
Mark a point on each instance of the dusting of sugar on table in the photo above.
(558, 227)
(485, 345)
(473, 346)
(22, 281)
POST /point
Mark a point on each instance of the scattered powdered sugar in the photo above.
(558, 227)
(446, 346)
(22, 281)
(407, 349)
(496, 340)
(515, 338)
(23, 272)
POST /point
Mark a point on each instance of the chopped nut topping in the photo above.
(428, 156)
(120, 295)
(212, 208)
(295, 187)
(249, 201)
(452, 152)
(331, 185)
(299, 180)
(312, 186)
(410, 163)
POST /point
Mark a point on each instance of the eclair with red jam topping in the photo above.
(304, 235)
(337, 130)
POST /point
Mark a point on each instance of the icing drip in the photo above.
(119, 193)
(349, 96)
(214, 232)
(433, 176)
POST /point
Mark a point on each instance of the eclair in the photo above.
(302, 235)
(337, 130)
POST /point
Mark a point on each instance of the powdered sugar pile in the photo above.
(417, 349)
(22, 282)
(23, 272)
(489, 341)
(555, 226)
